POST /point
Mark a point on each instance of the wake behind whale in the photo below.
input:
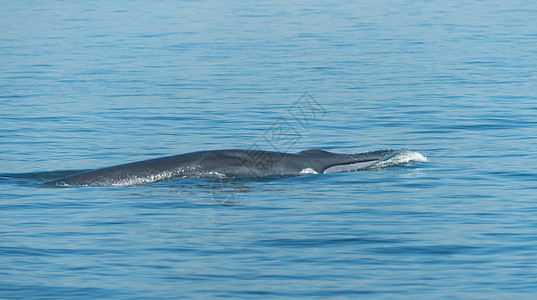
(228, 163)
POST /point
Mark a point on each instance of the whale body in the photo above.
(224, 163)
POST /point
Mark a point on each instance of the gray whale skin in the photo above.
(224, 163)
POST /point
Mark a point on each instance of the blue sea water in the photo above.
(93, 84)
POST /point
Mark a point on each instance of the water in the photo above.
(87, 85)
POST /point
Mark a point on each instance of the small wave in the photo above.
(35, 177)
(401, 157)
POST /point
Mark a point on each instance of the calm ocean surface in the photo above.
(89, 85)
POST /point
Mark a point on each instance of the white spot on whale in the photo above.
(308, 171)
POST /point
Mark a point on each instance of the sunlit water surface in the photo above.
(89, 85)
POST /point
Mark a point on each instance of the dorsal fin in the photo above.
(316, 152)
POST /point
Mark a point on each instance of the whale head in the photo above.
(336, 163)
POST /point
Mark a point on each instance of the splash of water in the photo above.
(401, 157)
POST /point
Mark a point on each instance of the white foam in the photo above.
(401, 157)
(214, 174)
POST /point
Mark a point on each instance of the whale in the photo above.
(224, 164)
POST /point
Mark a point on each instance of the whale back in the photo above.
(317, 152)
